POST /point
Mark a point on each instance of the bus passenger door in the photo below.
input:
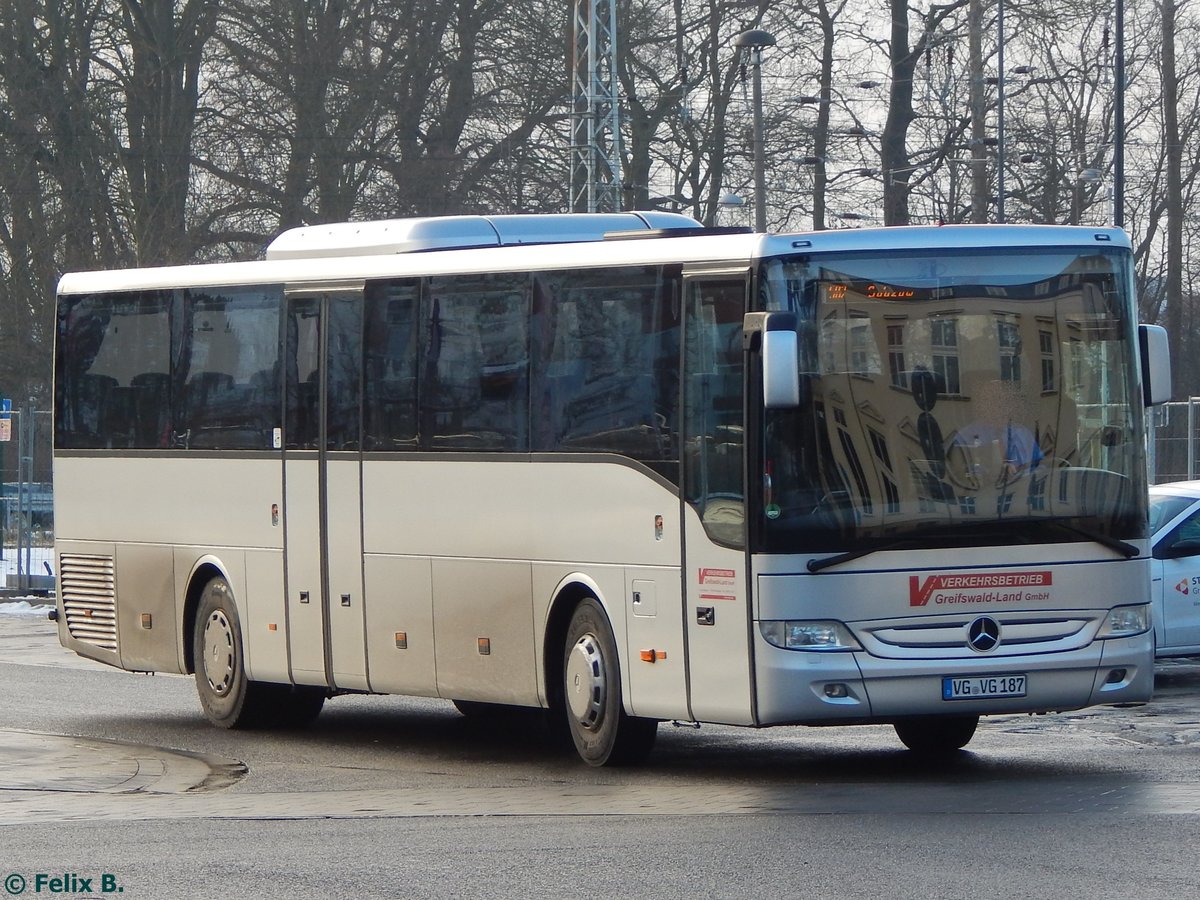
(322, 489)
(716, 611)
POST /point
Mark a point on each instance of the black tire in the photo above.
(936, 734)
(477, 709)
(229, 699)
(601, 731)
(293, 705)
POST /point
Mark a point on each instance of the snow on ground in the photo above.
(24, 609)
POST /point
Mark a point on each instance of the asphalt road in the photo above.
(113, 783)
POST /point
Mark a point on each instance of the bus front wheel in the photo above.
(229, 699)
(602, 732)
(936, 734)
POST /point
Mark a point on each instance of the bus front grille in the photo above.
(946, 637)
(89, 599)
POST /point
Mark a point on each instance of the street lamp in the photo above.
(1000, 112)
(754, 40)
(857, 173)
(1094, 177)
(852, 217)
(1119, 122)
(731, 204)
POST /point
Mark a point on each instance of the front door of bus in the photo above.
(323, 488)
(714, 529)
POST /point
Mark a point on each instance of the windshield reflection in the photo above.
(992, 393)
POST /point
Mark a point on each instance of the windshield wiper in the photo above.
(917, 538)
(816, 565)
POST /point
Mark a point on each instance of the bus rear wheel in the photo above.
(477, 709)
(293, 705)
(936, 734)
(228, 697)
(602, 732)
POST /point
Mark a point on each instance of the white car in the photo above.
(1175, 531)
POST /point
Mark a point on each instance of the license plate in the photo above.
(983, 686)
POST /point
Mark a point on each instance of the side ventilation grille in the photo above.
(89, 599)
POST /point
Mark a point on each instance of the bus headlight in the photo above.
(1125, 621)
(808, 635)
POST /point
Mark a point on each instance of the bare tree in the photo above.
(160, 72)
(58, 157)
(679, 78)
(904, 55)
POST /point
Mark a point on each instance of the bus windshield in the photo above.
(960, 398)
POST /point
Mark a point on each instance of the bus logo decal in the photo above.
(983, 634)
(722, 577)
(999, 587)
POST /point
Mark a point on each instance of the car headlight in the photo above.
(1125, 621)
(791, 635)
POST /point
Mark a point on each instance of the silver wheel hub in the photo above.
(587, 682)
(218, 653)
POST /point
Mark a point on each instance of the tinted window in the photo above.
(343, 378)
(390, 365)
(475, 363)
(714, 431)
(114, 371)
(227, 373)
(303, 362)
(607, 370)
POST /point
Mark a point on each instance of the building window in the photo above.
(895, 346)
(1046, 344)
(944, 344)
(1004, 503)
(1009, 345)
(879, 446)
(1037, 494)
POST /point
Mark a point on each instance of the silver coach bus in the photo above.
(621, 468)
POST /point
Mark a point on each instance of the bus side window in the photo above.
(390, 365)
(606, 372)
(105, 344)
(233, 336)
(343, 374)
(151, 408)
(94, 399)
(714, 436)
(475, 363)
(302, 370)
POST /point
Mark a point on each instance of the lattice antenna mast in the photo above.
(595, 118)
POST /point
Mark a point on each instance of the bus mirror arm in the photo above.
(773, 336)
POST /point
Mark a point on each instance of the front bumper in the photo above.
(814, 688)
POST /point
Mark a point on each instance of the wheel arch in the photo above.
(203, 571)
(569, 593)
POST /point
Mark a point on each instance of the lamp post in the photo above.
(1000, 115)
(754, 40)
(1118, 215)
(732, 202)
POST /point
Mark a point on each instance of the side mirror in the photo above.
(773, 335)
(1178, 550)
(1155, 355)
